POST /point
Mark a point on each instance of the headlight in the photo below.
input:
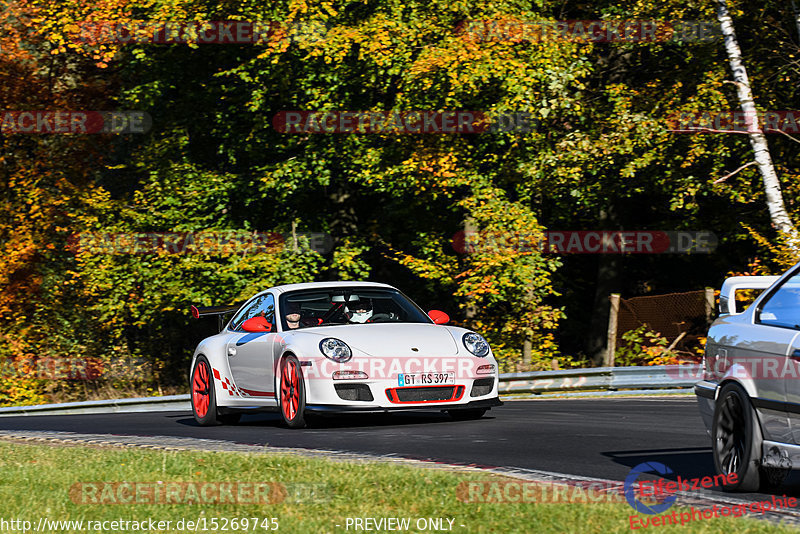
(335, 349)
(476, 344)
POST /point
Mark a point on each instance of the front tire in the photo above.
(204, 402)
(736, 439)
(292, 393)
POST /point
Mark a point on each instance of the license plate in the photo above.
(426, 379)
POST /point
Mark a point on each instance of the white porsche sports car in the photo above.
(338, 347)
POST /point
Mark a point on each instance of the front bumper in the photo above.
(382, 389)
(338, 408)
(706, 393)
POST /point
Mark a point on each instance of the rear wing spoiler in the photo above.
(727, 295)
(220, 311)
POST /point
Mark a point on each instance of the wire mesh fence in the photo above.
(681, 318)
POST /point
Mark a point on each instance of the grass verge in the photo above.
(315, 495)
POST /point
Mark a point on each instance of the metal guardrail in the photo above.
(143, 404)
(603, 379)
(657, 377)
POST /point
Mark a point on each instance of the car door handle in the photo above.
(231, 351)
(796, 355)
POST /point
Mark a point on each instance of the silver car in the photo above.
(750, 394)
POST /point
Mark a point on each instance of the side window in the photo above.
(268, 310)
(782, 308)
(263, 305)
(244, 314)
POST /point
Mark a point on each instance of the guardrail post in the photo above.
(611, 344)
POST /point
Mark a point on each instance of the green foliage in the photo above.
(348, 260)
(640, 347)
(601, 157)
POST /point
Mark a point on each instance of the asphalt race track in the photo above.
(599, 438)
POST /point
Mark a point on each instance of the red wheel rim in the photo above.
(200, 389)
(290, 391)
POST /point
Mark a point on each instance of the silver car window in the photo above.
(782, 307)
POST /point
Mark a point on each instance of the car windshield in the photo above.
(347, 305)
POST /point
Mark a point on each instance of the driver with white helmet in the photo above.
(359, 311)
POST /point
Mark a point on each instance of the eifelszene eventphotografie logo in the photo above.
(631, 485)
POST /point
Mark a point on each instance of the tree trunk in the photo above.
(772, 187)
(470, 235)
(608, 281)
(527, 350)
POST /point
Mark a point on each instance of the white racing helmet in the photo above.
(359, 311)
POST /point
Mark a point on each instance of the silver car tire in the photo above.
(736, 439)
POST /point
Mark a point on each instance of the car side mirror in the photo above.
(257, 324)
(439, 317)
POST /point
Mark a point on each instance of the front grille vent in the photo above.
(353, 392)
